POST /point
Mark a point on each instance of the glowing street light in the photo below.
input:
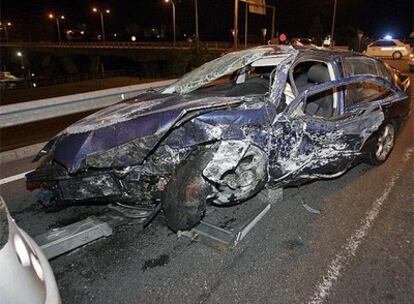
(6, 33)
(101, 13)
(52, 16)
(173, 11)
(20, 55)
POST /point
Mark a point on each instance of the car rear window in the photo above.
(359, 66)
(4, 225)
(364, 92)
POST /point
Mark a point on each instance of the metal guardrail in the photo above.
(32, 111)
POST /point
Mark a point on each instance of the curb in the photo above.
(20, 153)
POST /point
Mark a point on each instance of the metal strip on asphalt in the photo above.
(13, 178)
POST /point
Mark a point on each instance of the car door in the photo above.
(307, 146)
(374, 49)
(388, 48)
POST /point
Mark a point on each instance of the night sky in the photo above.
(294, 17)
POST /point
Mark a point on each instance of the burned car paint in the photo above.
(234, 119)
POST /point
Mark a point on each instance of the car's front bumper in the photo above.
(100, 186)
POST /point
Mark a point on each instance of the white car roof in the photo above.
(393, 40)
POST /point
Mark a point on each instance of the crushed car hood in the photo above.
(140, 123)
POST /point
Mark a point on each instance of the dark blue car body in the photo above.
(130, 151)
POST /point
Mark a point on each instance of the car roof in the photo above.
(280, 49)
(393, 40)
(275, 49)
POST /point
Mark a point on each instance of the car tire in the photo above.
(397, 55)
(384, 142)
(185, 196)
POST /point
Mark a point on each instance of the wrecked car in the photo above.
(271, 116)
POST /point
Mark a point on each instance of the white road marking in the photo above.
(13, 178)
(348, 251)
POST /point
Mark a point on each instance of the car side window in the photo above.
(321, 105)
(363, 92)
(359, 66)
(377, 43)
(317, 105)
(309, 73)
(383, 43)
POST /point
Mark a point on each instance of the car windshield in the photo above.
(224, 74)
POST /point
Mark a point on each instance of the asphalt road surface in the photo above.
(359, 249)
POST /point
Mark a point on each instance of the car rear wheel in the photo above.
(397, 55)
(385, 141)
(185, 196)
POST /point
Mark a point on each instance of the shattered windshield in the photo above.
(223, 70)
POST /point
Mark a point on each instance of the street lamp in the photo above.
(6, 33)
(101, 13)
(51, 16)
(20, 55)
(173, 10)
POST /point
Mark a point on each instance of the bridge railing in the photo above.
(219, 45)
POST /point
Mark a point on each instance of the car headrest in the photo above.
(318, 73)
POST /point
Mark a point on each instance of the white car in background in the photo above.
(388, 48)
(25, 274)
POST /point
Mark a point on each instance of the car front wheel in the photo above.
(385, 141)
(397, 55)
(185, 196)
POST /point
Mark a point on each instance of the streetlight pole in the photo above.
(273, 22)
(246, 24)
(173, 11)
(51, 16)
(333, 23)
(58, 29)
(97, 10)
(196, 18)
(249, 2)
(236, 17)
(102, 26)
(6, 33)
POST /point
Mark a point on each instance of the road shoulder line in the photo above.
(340, 260)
